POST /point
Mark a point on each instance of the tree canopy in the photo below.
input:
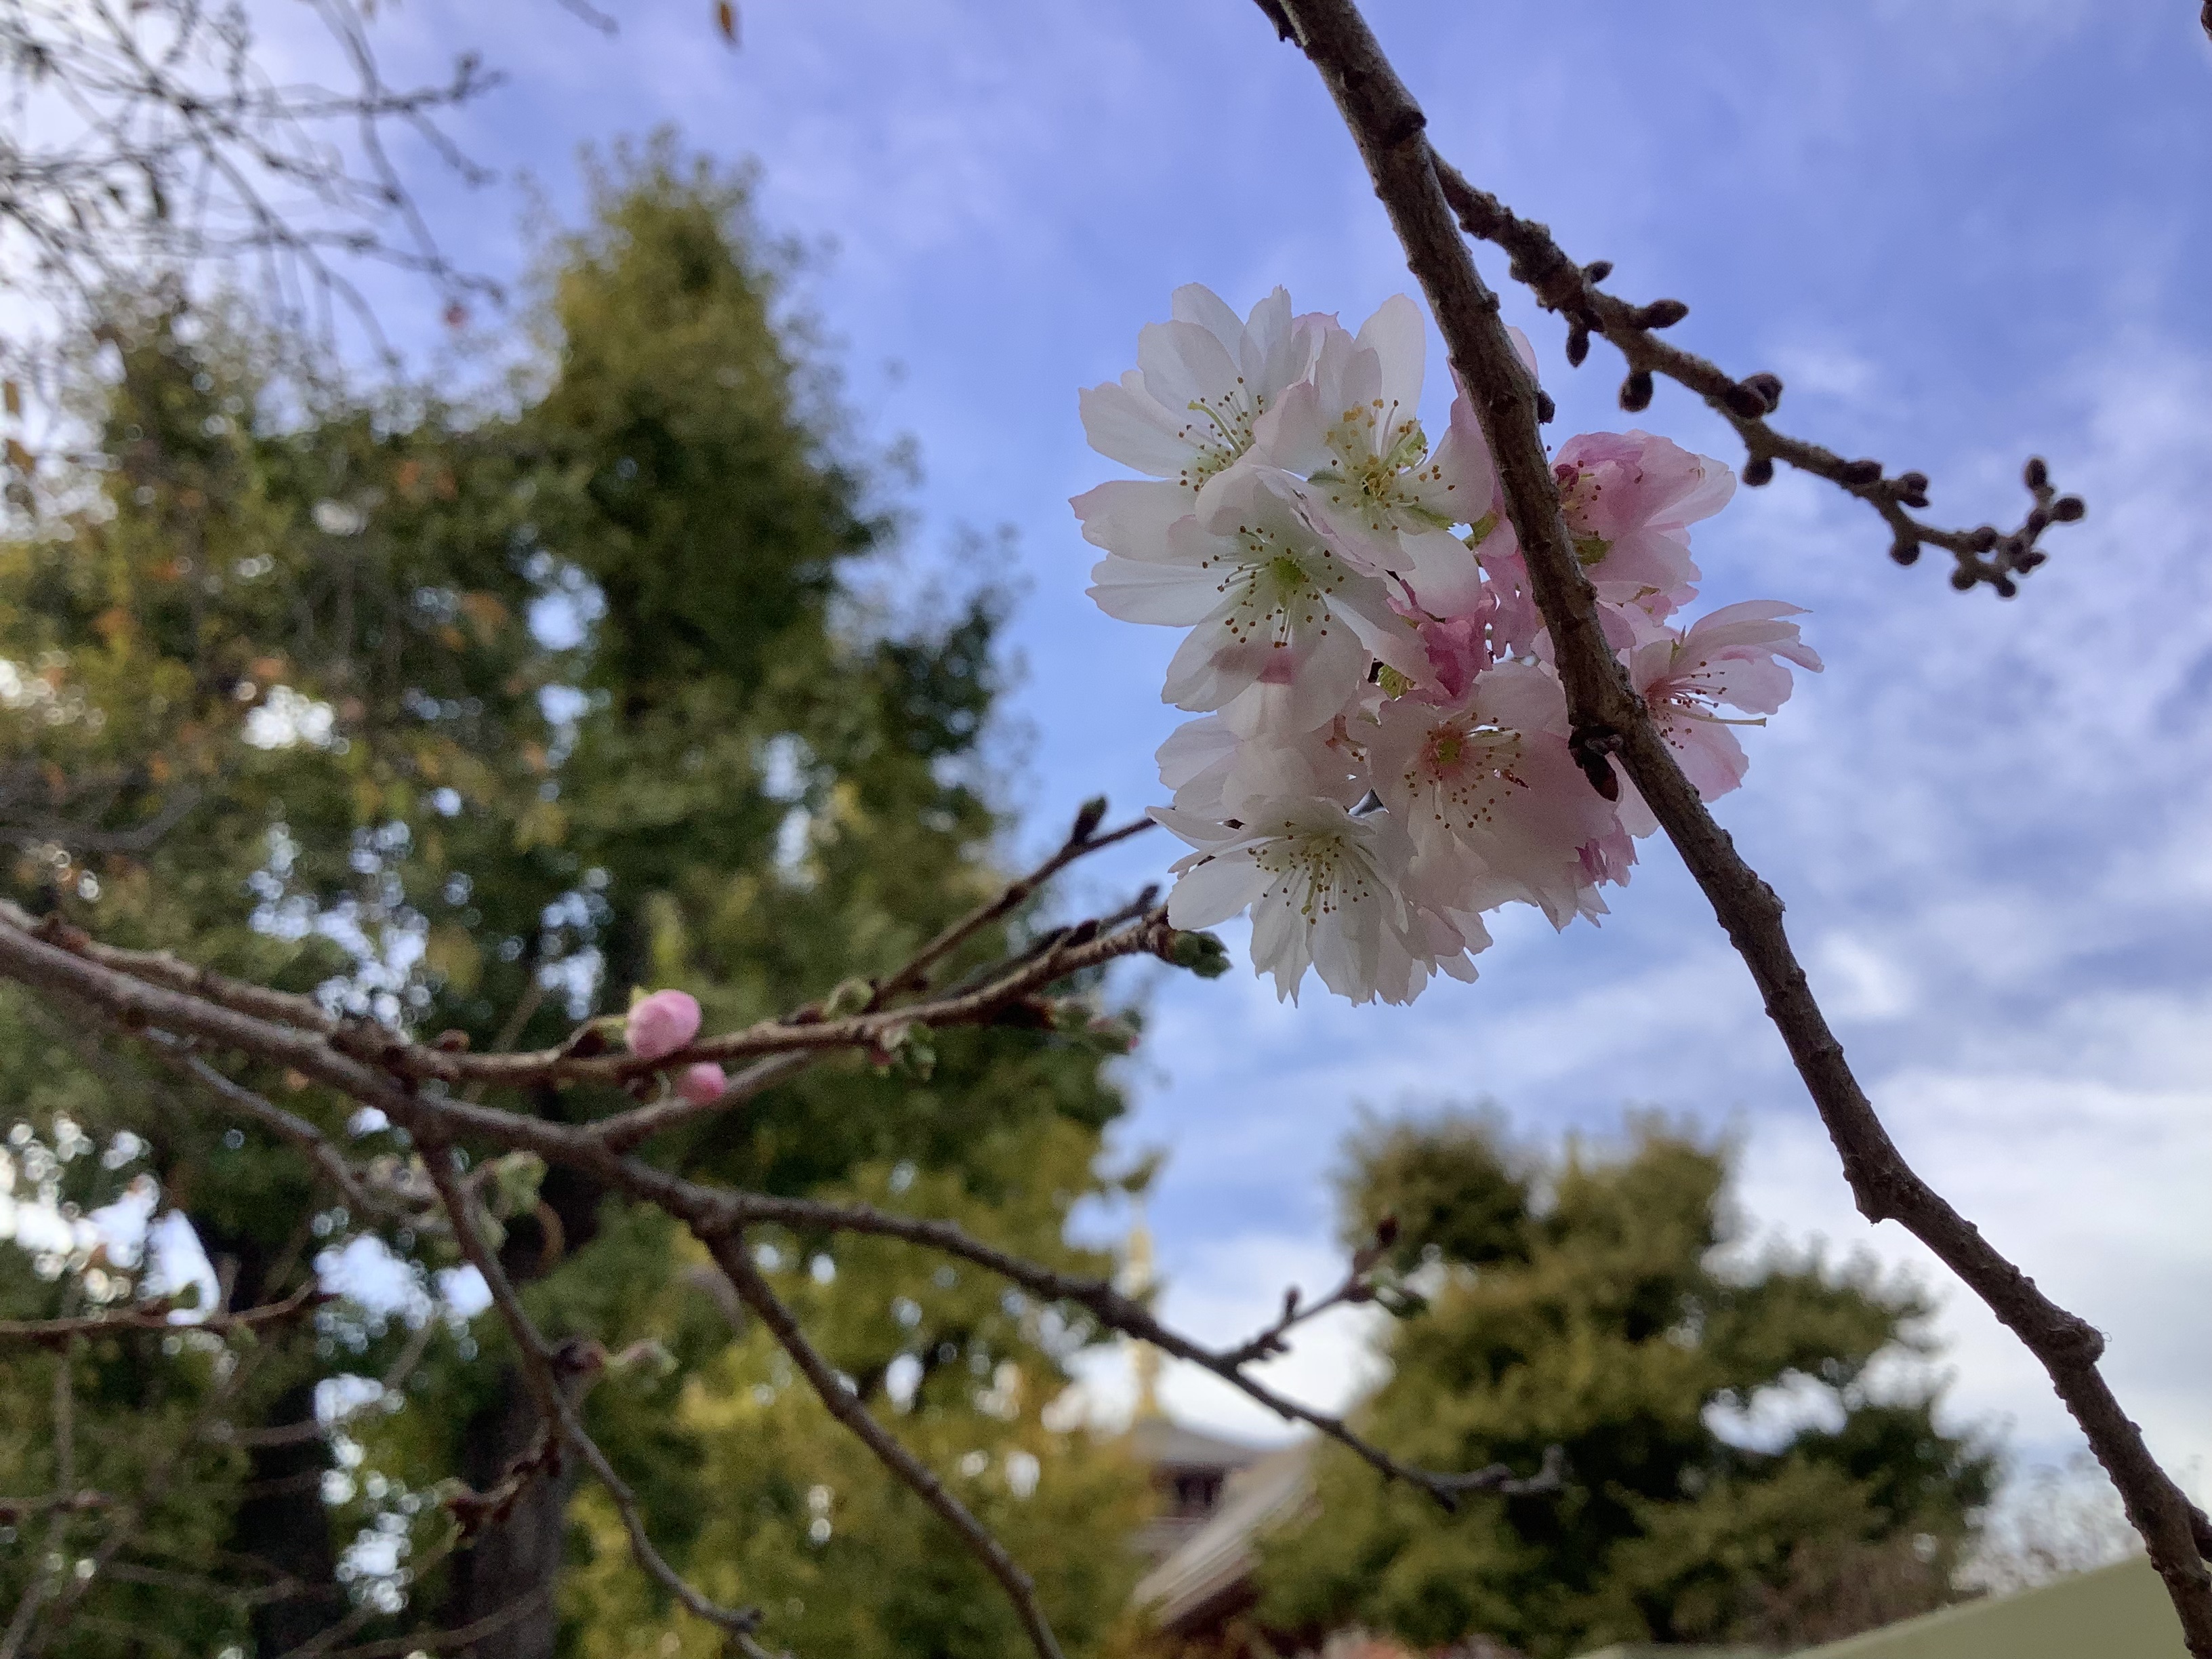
(472, 720)
(1736, 1470)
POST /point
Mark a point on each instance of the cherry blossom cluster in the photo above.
(1381, 756)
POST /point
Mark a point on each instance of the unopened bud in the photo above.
(2067, 509)
(1768, 386)
(2035, 474)
(1087, 818)
(1636, 391)
(1905, 550)
(1963, 581)
(1204, 954)
(1577, 346)
(1741, 400)
(1759, 471)
(1598, 270)
(1859, 472)
(850, 997)
(1661, 313)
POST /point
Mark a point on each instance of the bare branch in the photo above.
(727, 1246)
(738, 1624)
(1981, 556)
(1082, 841)
(1608, 718)
(155, 1316)
(1112, 1309)
(134, 1005)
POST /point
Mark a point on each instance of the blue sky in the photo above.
(1962, 231)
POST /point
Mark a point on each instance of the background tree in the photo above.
(706, 764)
(1591, 1299)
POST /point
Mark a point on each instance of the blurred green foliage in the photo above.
(1737, 1471)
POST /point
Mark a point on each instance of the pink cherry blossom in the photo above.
(1459, 647)
(1732, 657)
(1630, 498)
(703, 1084)
(1495, 804)
(661, 1024)
(1382, 756)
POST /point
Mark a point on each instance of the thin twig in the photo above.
(727, 1246)
(1111, 1308)
(158, 1316)
(1608, 717)
(1982, 555)
(1082, 841)
(738, 1623)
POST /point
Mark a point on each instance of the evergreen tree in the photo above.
(1591, 1301)
(478, 720)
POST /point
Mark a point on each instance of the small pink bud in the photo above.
(661, 1024)
(703, 1084)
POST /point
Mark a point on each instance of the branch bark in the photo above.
(1389, 127)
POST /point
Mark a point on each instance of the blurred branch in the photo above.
(144, 140)
(155, 1316)
(727, 1246)
(131, 1514)
(561, 1416)
(64, 1412)
(1608, 718)
(1112, 1309)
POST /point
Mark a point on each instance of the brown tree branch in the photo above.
(712, 1210)
(155, 1316)
(1387, 126)
(133, 1006)
(727, 1246)
(738, 1623)
(141, 987)
(1984, 555)
(1083, 840)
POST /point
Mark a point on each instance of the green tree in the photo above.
(474, 719)
(1590, 1300)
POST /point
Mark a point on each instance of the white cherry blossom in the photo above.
(1203, 378)
(1381, 756)
(1283, 630)
(1325, 889)
(1353, 433)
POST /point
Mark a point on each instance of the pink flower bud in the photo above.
(703, 1084)
(662, 1023)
